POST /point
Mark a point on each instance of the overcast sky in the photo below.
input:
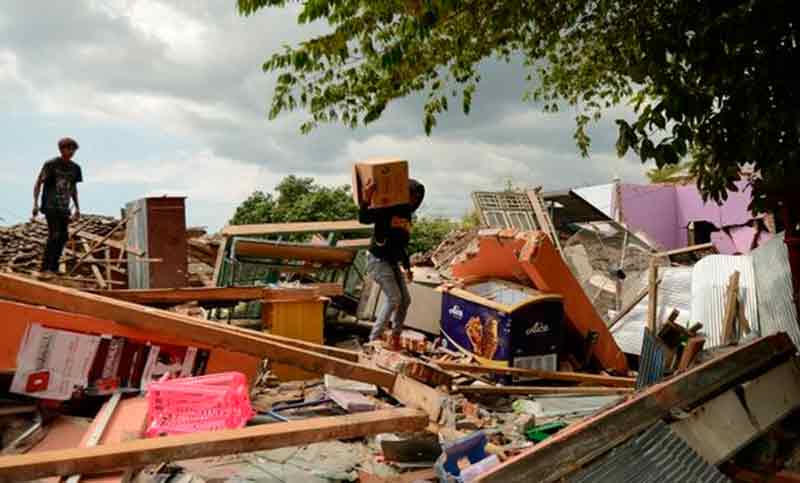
(168, 97)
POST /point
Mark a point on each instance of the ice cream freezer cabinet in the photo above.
(504, 324)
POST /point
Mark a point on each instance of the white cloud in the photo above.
(191, 69)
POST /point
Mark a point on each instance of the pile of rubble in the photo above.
(565, 349)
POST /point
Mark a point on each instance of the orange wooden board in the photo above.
(17, 317)
(127, 423)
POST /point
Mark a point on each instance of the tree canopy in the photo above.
(298, 199)
(714, 77)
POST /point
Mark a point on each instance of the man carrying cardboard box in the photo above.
(387, 252)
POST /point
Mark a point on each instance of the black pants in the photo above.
(57, 236)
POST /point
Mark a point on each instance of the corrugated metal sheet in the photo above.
(653, 361)
(600, 196)
(776, 310)
(709, 281)
(656, 456)
(136, 236)
(674, 292)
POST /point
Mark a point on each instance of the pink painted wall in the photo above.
(664, 212)
(653, 210)
(733, 211)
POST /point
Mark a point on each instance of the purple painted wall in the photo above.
(652, 209)
(733, 211)
(663, 213)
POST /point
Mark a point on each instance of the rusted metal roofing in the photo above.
(656, 456)
(710, 278)
(773, 277)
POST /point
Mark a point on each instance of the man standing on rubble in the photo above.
(387, 252)
(60, 177)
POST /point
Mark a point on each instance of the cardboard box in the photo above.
(391, 181)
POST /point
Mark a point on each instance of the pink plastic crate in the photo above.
(192, 404)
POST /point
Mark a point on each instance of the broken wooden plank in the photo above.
(541, 390)
(178, 296)
(99, 277)
(102, 239)
(139, 453)
(693, 347)
(724, 425)
(295, 228)
(628, 307)
(109, 242)
(187, 328)
(539, 374)
(579, 444)
(293, 251)
(729, 334)
(354, 244)
(417, 395)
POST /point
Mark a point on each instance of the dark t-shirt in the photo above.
(60, 178)
(391, 234)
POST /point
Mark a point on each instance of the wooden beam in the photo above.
(579, 444)
(354, 244)
(108, 242)
(652, 301)
(143, 452)
(538, 374)
(187, 328)
(419, 396)
(177, 296)
(295, 228)
(293, 251)
(542, 390)
(693, 347)
(628, 307)
(102, 240)
(99, 276)
(689, 249)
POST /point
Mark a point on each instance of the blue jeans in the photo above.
(397, 299)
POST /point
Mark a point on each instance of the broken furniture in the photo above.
(157, 228)
(283, 252)
(504, 324)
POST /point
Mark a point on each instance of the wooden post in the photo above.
(729, 334)
(652, 303)
(107, 254)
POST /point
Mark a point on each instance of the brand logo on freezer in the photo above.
(538, 328)
(456, 312)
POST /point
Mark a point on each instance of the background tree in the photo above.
(670, 173)
(715, 76)
(428, 232)
(299, 199)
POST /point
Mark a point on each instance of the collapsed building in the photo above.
(568, 338)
